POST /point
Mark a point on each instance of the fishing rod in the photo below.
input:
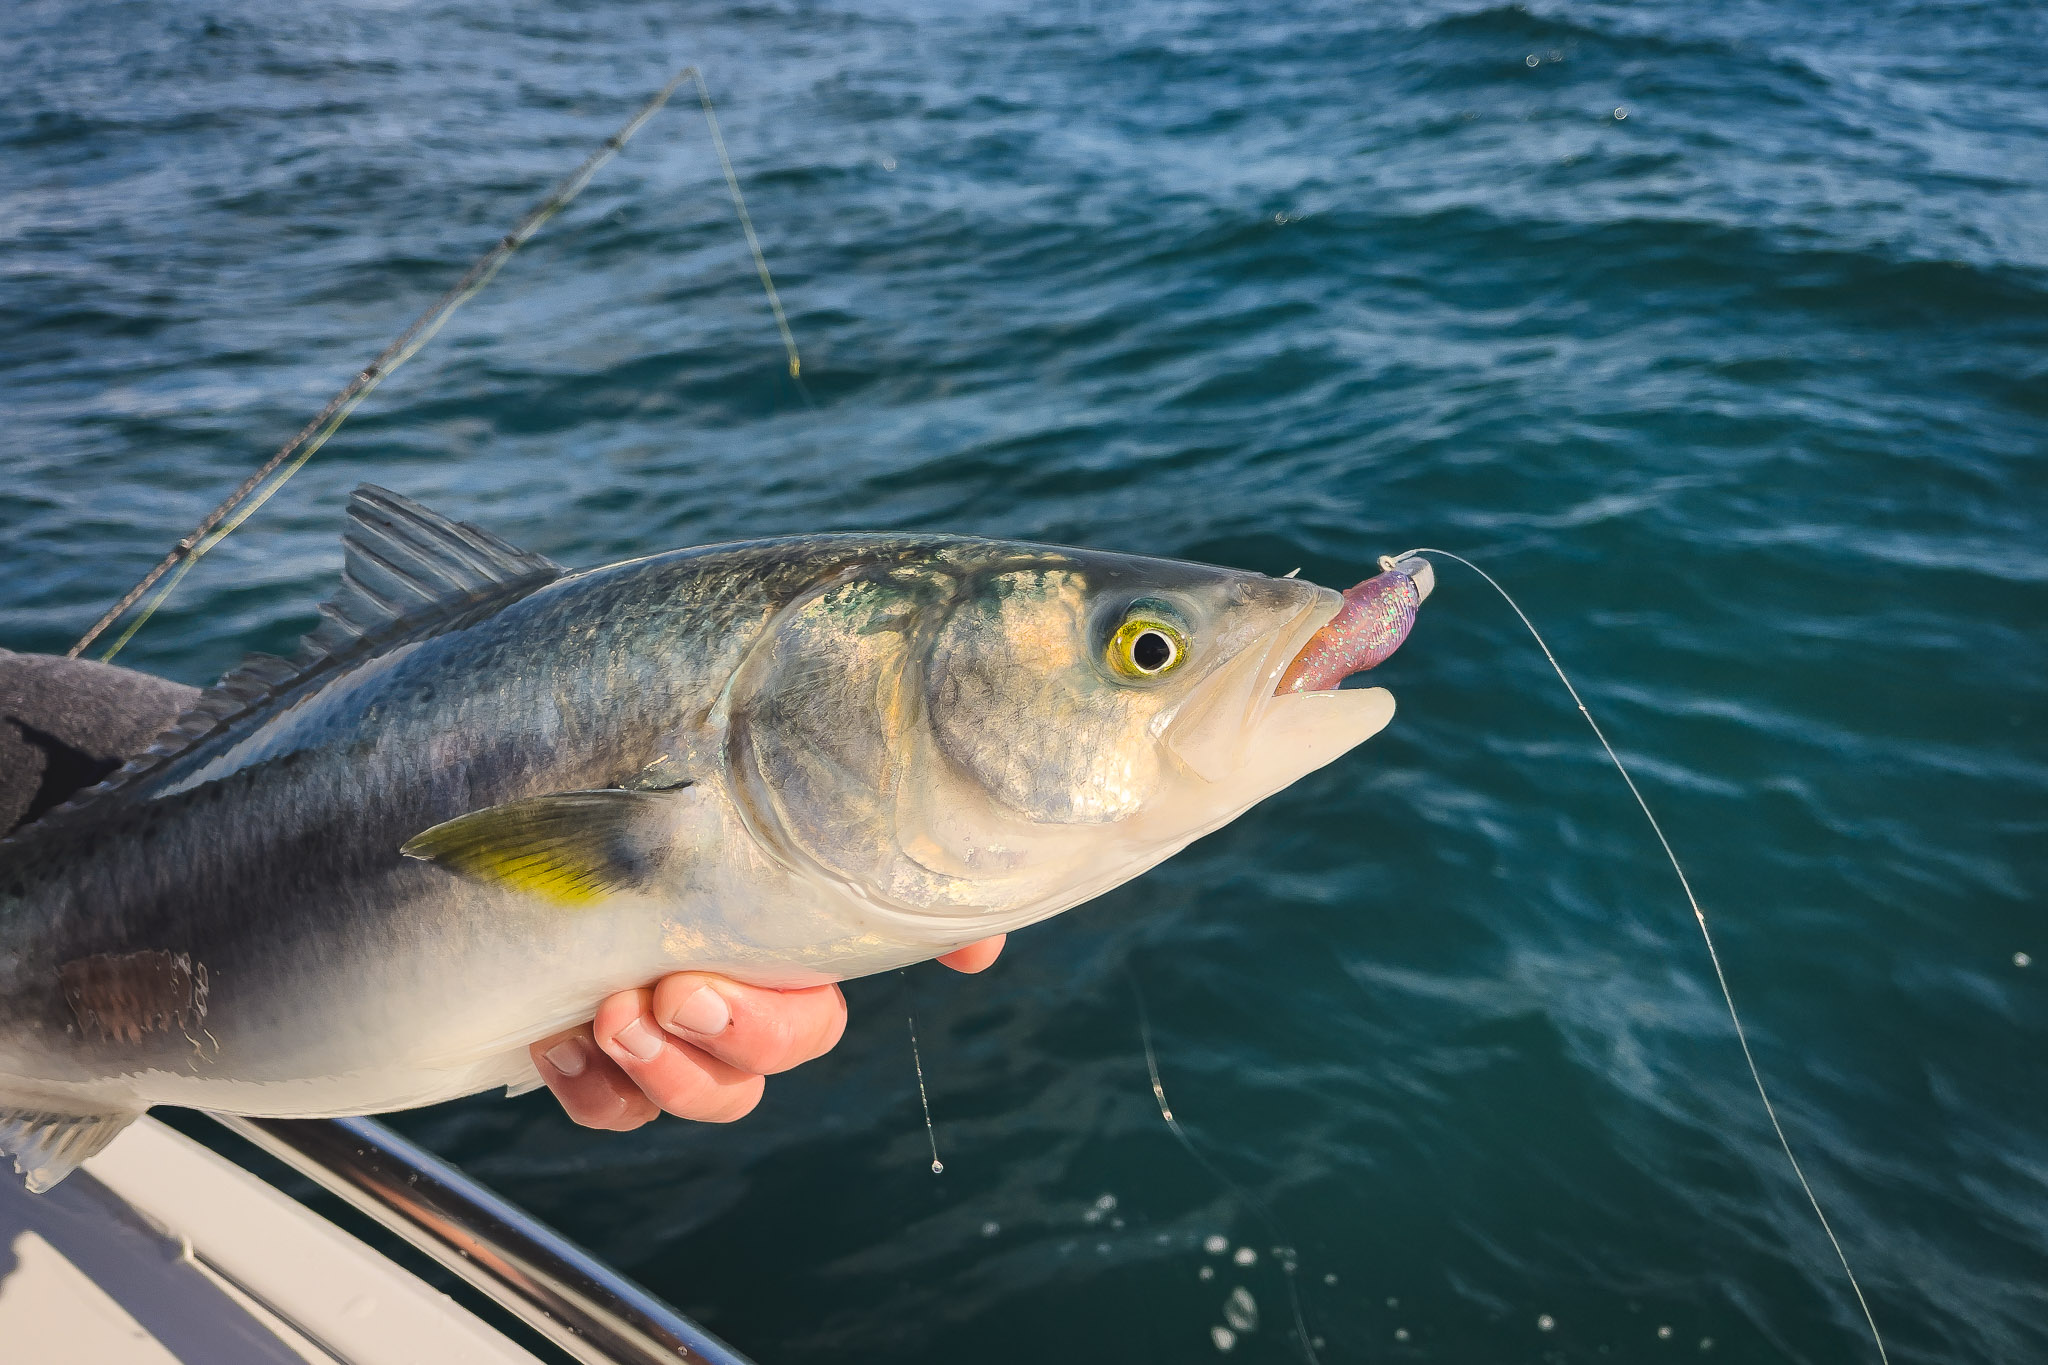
(290, 457)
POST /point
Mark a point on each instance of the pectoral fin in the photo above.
(574, 848)
(47, 1147)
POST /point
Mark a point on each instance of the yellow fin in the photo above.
(573, 848)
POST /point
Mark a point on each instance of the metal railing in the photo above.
(560, 1290)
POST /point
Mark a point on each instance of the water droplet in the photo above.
(991, 1228)
(1621, 111)
(2022, 960)
(1215, 1244)
(888, 163)
(1663, 1334)
(1393, 1303)
(1545, 1322)
(938, 1166)
(1400, 1334)
(1245, 1256)
(1706, 1343)
(1208, 1272)
(1532, 60)
(1241, 1310)
(1106, 1202)
(1329, 1279)
(1554, 55)
(1223, 1337)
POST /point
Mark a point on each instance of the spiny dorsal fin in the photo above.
(405, 572)
(405, 565)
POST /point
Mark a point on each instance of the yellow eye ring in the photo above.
(1145, 647)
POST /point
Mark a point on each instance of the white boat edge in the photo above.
(160, 1252)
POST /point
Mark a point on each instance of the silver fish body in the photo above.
(368, 880)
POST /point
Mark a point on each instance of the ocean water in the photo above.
(1719, 333)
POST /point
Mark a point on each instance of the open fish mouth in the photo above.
(1279, 708)
(1364, 632)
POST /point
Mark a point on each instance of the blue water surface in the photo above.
(1720, 333)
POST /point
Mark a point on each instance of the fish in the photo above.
(489, 792)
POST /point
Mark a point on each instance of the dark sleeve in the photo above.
(67, 723)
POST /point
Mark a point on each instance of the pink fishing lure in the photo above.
(1376, 617)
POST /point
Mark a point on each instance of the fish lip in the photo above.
(1283, 645)
(1289, 642)
(1279, 648)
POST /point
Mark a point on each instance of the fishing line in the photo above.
(1244, 1196)
(236, 508)
(924, 1100)
(389, 359)
(739, 203)
(1699, 916)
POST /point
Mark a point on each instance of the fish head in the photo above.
(988, 736)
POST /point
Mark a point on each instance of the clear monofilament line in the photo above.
(739, 204)
(923, 1099)
(1699, 916)
(236, 508)
(315, 433)
(1244, 1196)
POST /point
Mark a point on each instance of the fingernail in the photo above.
(640, 1040)
(704, 1013)
(568, 1057)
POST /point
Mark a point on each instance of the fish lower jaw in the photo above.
(1300, 732)
(1212, 733)
(1294, 735)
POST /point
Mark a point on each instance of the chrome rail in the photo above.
(569, 1296)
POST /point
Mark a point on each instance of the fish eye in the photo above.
(1146, 647)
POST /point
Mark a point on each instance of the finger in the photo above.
(685, 1081)
(975, 957)
(750, 1027)
(592, 1089)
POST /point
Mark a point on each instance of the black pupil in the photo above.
(1151, 651)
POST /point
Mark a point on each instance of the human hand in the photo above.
(698, 1046)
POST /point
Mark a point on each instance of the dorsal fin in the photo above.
(406, 572)
(404, 566)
